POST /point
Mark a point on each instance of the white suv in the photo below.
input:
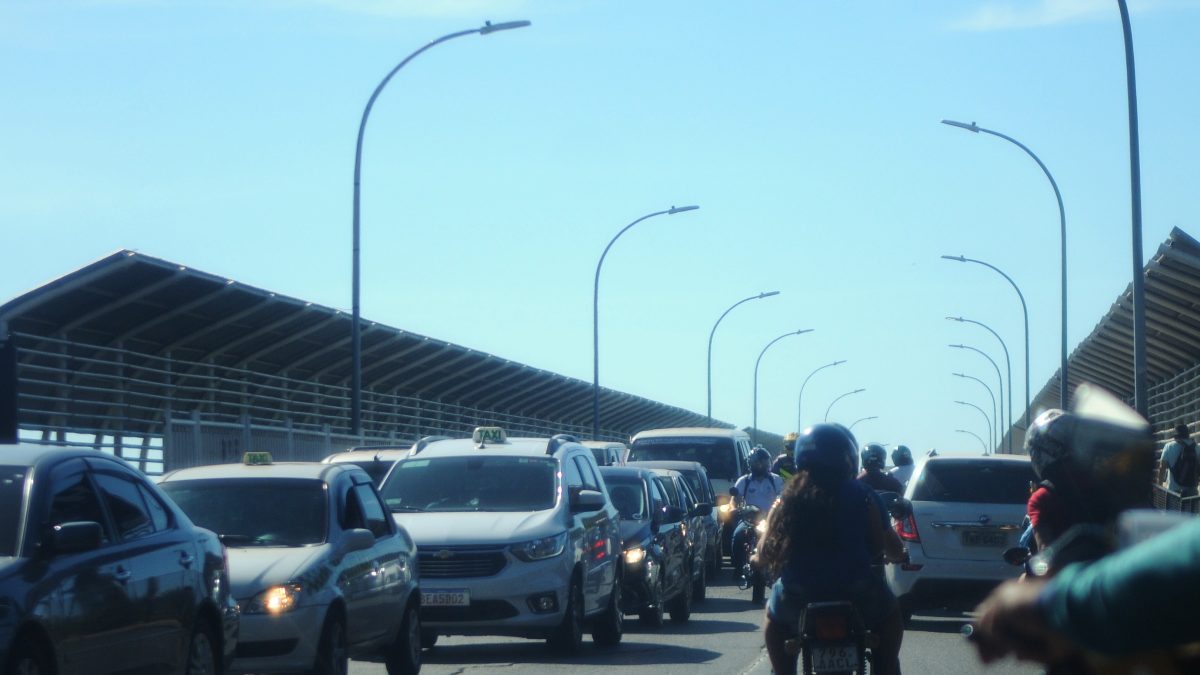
(966, 512)
(515, 536)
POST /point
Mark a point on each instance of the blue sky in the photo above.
(220, 134)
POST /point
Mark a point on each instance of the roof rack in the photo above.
(557, 440)
(425, 441)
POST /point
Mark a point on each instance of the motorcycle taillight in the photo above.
(907, 529)
(831, 627)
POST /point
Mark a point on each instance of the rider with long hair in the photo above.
(822, 540)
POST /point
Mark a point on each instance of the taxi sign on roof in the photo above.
(256, 458)
(483, 435)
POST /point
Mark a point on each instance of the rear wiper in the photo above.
(412, 509)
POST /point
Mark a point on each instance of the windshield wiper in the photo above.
(411, 509)
(239, 539)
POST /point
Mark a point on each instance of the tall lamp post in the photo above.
(800, 398)
(999, 377)
(964, 431)
(1062, 225)
(757, 362)
(760, 296)
(355, 329)
(1140, 401)
(861, 419)
(596, 314)
(985, 418)
(849, 393)
(990, 394)
(1024, 312)
(1007, 365)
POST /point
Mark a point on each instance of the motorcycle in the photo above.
(750, 575)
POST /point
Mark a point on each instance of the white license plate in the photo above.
(977, 537)
(446, 597)
(834, 658)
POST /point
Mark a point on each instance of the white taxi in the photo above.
(319, 569)
(515, 536)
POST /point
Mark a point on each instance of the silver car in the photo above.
(320, 570)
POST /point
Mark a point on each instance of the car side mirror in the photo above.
(585, 501)
(900, 509)
(702, 510)
(357, 539)
(672, 514)
(75, 537)
(1017, 555)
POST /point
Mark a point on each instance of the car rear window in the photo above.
(716, 455)
(12, 489)
(974, 482)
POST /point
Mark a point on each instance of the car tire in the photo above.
(609, 626)
(428, 639)
(29, 657)
(681, 605)
(700, 585)
(333, 654)
(652, 614)
(568, 637)
(201, 657)
(404, 654)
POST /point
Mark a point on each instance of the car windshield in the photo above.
(695, 482)
(12, 487)
(715, 454)
(974, 482)
(472, 484)
(671, 490)
(628, 495)
(255, 512)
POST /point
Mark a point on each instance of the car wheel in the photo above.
(568, 637)
(202, 651)
(428, 639)
(652, 614)
(29, 657)
(404, 656)
(333, 655)
(610, 625)
(681, 605)
(700, 586)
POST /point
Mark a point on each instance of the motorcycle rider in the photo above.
(903, 470)
(758, 488)
(873, 459)
(821, 543)
(784, 465)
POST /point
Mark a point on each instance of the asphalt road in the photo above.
(723, 636)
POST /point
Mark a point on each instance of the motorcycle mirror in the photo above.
(733, 491)
(900, 509)
(1017, 555)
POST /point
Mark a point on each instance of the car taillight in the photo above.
(907, 529)
(832, 627)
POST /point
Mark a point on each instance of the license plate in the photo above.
(834, 658)
(984, 538)
(446, 597)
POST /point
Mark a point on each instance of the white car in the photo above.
(377, 460)
(966, 512)
(515, 536)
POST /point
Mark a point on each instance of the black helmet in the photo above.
(783, 462)
(902, 456)
(829, 447)
(759, 460)
(873, 456)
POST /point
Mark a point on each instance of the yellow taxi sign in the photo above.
(483, 435)
(257, 458)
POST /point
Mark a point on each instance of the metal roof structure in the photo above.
(1105, 357)
(163, 332)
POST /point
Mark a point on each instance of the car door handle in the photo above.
(122, 575)
(186, 559)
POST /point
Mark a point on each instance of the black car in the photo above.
(657, 574)
(696, 514)
(100, 573)
(697, 479)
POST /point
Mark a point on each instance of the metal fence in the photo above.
(1168, 500)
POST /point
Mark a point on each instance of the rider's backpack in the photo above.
(1184, 470)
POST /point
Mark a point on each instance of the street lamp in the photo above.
(1062, 222)
(1140, 401)
(999, 377)
(1007, 364)
(596, 314)
(800, 398)
(754, 427)
(849, 393)
(1025, 313)
(355, 330)
(760, 296)
(861, 419)
(985, 418)
(989, 391)
(964, 431)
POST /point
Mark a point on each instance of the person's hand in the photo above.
(1011, 622)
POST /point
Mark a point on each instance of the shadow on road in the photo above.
(948, 622)
(722, 605)
(693, 627)
(628, 652)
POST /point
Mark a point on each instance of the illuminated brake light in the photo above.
(832, 627)
(907, 529)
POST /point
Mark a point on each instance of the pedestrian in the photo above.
(1180, 462)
